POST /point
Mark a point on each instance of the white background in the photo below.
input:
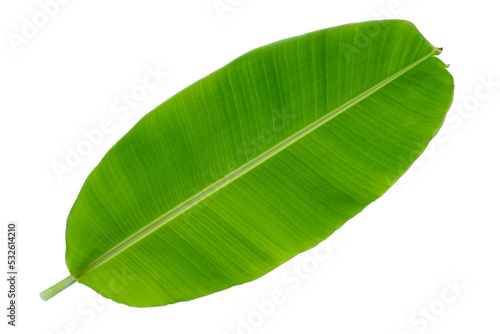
(439, 225)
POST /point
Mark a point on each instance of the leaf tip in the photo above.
(438, 50)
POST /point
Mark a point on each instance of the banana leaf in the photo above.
(255, 163)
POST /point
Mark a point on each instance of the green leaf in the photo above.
(255, 163)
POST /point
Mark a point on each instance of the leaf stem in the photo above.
(56, 288)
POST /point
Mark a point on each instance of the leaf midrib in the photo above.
(184, 206)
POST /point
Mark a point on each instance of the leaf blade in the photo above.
(210, 270)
